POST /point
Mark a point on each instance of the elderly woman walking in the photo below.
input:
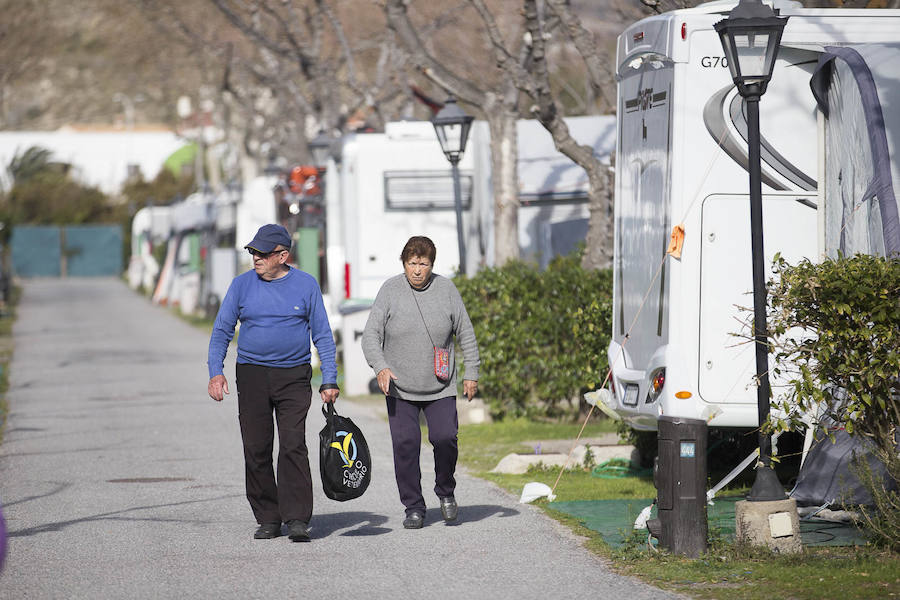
(409, 343)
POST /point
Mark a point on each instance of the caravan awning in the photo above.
(858, 90)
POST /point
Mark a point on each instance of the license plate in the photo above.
(631, 395)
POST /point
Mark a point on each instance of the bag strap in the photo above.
(416, 300)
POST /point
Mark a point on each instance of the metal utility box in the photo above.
(680, 479)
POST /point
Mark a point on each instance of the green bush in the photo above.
(542, 335)
(835, 327)
(44, 193)
(52, 198)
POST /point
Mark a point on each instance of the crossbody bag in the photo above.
(441, 355)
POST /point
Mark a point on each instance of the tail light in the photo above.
(657, 381)
(346, 281)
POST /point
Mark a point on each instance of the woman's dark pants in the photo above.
(287, 392)
(406, 437)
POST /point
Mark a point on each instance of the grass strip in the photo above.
(729, 569)
(7, 318)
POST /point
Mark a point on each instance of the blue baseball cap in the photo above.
(268, 237)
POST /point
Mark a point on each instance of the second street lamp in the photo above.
(452, 126)
(320, 148)
(750, 37)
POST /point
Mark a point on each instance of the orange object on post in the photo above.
(305, 180)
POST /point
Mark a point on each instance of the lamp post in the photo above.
(315, 235)
(750, 37)
(452, 126)
(320, 148)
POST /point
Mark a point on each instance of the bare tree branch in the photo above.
(598, 252)
(400, 24)
(600, 75)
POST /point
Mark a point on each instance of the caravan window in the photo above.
(425, 190)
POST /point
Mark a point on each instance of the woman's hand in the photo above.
(470, 388)
(384, 380)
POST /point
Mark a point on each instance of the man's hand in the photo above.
(329, 395)
(384, 380)
(470, 388)
(217, 388)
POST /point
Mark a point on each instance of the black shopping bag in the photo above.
(344, 459)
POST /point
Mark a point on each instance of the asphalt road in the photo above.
(120, 478)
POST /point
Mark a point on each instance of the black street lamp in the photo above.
(452, 126)
(320, 148)
(750, 37)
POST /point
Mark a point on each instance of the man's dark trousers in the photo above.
(287, 392)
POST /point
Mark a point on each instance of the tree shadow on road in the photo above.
(116, 515)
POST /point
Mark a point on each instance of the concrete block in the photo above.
(520, 463)
(775, 525)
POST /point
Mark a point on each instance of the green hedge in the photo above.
(836, 337)
(542, 335)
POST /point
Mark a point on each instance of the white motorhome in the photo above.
(682, 168)
(386, 187)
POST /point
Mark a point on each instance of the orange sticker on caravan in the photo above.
(676, 241)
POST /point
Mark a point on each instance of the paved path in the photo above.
(120, 478)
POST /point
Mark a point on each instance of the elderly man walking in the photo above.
(280, 309)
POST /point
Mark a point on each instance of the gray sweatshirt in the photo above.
(395, 337)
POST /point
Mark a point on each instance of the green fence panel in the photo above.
(93, 250)
(36, 251)
(307, 249)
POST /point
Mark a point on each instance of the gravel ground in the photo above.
(120, 478)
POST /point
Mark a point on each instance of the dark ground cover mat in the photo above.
(614, 519)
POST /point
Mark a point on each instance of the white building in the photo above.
(99, 158)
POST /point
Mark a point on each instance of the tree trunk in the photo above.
(598, 245)
(598, 251)
(504, 159)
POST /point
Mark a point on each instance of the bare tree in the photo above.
(497, 99)
(288, 69)
(598, 250)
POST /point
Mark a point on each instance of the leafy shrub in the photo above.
(836, 332)
(164, 189)
(542, 335)
(43, 193)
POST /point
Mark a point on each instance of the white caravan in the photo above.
(682, 168)
(385, 187)
(388, 186)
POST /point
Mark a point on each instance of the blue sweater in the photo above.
(277, 319)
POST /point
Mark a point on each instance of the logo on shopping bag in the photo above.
(347, 448)
(354, 470)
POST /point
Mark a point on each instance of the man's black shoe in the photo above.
(414, 520)
(449, 508)
(298, 531)
(267, 531)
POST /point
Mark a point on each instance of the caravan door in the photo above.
(727, 354)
